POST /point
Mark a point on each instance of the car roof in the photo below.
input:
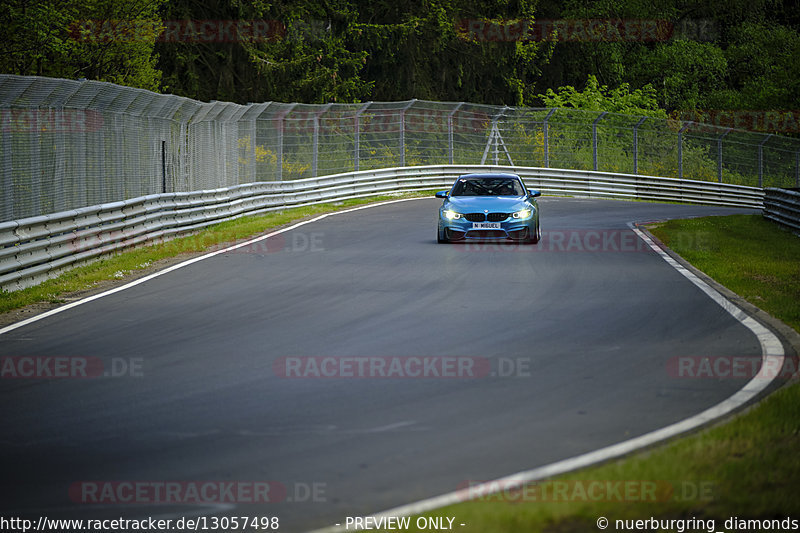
(488, 175)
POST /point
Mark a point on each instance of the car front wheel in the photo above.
(440, 238)
(537, 235)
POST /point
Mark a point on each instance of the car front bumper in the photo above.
(512, 229)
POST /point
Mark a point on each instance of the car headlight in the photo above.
(523, 213)
(452, 215)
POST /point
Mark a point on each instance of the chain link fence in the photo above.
(68, 144)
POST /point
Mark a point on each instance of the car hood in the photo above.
(496, 204)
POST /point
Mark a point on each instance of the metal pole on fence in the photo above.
(8, 178)
(719, 154)
(403, 132)
(594, 138)
(357, 140)
(636, 145)
(761, 160)
(680, 149)
(499, 140)
(279, 155)
(315, 148)
(163, 166)
(797, 169)
(315, 153)
(545, 130)
(60, 200)
(280, 140)
(450, 132)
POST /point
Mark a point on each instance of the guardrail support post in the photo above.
(636, 145)
(594, 138)
(797, 169)
(546, 132)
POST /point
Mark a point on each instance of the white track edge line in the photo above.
(772, 353)
(188, 262)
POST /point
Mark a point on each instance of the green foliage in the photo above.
(764, 70)
(82, 39)
(595, 97)
(684, 71)
(738, 54)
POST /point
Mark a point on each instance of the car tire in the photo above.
(537, 235)
(440, 238)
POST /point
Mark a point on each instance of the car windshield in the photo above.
(488, 187)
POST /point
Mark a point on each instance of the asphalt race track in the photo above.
(564, 348)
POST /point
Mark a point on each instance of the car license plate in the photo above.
(485, 225)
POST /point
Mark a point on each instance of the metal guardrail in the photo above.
(783, 207)
(38, 248)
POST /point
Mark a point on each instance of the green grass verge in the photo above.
(747, 468)
(123, 264)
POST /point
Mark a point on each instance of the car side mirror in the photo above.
(534, 194)
(441, 194)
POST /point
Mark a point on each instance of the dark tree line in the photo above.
(738, 54)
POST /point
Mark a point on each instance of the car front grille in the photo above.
(491, 217)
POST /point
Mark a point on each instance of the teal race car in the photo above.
(494, 206)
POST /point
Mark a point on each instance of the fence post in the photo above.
(545, 130)
(163, 166)
(450, 148)
(636, 145)
(60, 199)
(719, 154)
(797, 169)
(279, 155)
(357, 143)
(8, 175)
(594, 137)
(680, 149)
(403, 132)
(315, 152)
(280, 139)
(761, 160)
